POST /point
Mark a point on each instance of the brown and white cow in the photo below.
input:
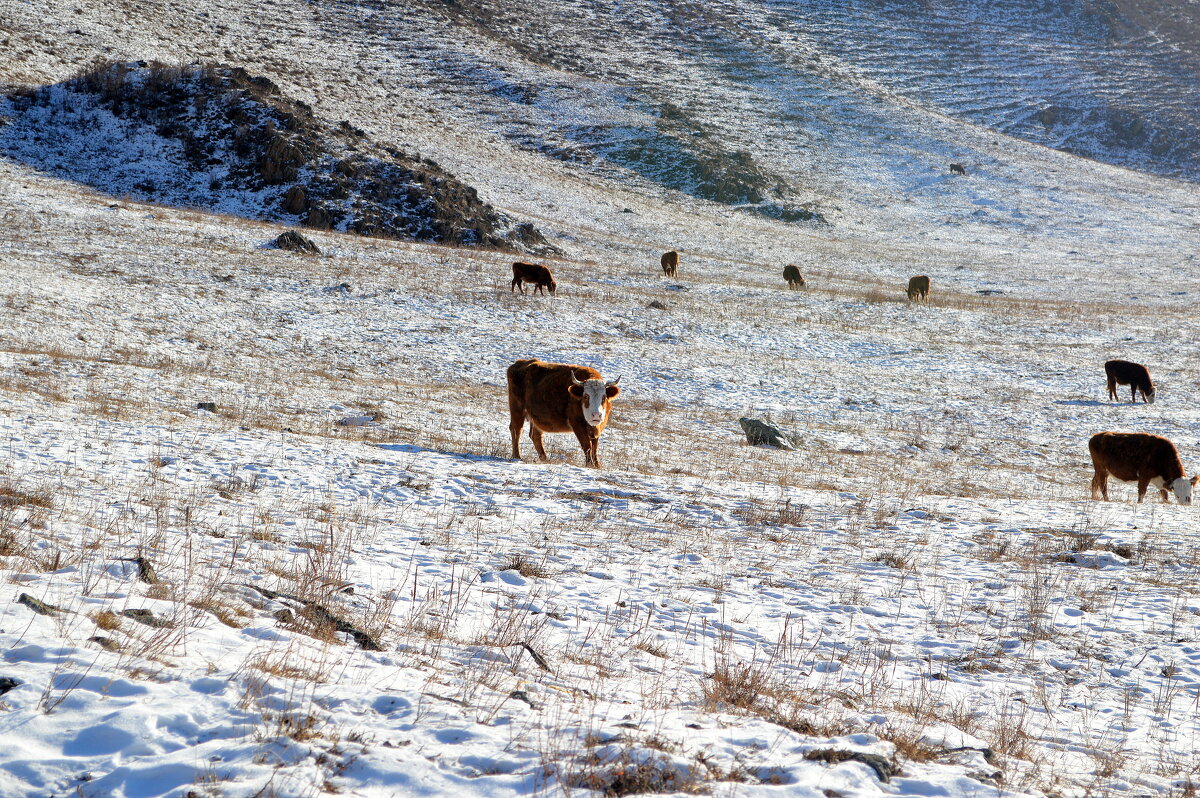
(670, 263)
(1135, 375)
(793, 276)
(918, 287)
(559, 397)
(534, 273)
(958, 169)
(1148, 460)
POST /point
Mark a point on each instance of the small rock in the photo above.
(657, 305)
(40, 607)
(883, 768)
(294, 242)
(285, 616)
(209, 406)
(8, 683)
(145, 571)
(520, 695)
(760, 432)
(148, 618)
(106, 643)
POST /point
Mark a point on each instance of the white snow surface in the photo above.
(923, 579)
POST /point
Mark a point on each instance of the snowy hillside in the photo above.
(260, 531)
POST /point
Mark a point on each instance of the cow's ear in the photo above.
(612, 391)
(575, 390)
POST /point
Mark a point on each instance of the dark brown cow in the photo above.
(534, 273)
(793, 276)
(1135, 375)
(918, 287)
(1148, 460)
(558, 397)
(670, 263)
(958, 169)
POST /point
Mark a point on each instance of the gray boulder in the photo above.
(293, 241)
(760, 432)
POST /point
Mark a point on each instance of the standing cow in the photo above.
(1148, 460)
(1135, 375)
(559, 397)
(958, 169)
(534, 273)
(793, 276)
(670, 263)
(918, 288)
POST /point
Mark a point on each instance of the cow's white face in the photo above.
(595, 399)
(595, 402)
(1183, 489)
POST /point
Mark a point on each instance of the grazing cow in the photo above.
(670, 263)
(534, 273)
(958, 169)
(557, 397)
(1148, 460)
(1135, 375)
(793, 276)
(918, 287)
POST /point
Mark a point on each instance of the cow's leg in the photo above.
(588, 444)
(535, 435)
(516, 421)
(1165, 496)
(1100, 485)
(1143, 486)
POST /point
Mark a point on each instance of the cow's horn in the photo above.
(574, 379)
(614, 382)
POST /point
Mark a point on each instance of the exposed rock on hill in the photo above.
(218, 138)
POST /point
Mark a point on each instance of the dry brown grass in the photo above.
(525, 566)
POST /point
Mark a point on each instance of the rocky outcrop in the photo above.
(216, 137)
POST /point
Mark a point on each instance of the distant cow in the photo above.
(1148, 460)
(918, 287)
(958, 169)
(1135, 375)
(793, 276)
(534, 273)
(558, 397)
(670, 263)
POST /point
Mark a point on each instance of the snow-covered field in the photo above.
(357, 592)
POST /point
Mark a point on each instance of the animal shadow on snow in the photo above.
(408, 448)
(1082, 402)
